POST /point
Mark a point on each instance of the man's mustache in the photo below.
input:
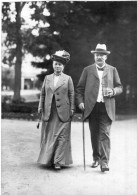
(99, 60)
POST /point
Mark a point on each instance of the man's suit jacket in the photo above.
(64, 96)
(88, 87)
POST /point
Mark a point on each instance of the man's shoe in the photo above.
(95, 164)
(104, 168)
(57, 167)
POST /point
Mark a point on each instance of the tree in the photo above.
(13, 42)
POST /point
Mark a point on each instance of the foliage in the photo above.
(23, 107)
(77, 26)
(11, 26)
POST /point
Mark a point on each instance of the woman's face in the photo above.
(58, 67)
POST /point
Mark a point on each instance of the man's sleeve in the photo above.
(118, 88)
(80, 90)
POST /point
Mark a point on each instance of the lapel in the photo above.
(60, 82)
(105, 71)
(50, 81)
(94, 71)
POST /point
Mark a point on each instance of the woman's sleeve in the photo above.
(42, 95)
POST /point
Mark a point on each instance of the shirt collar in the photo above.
(97, 66)
(57, 75)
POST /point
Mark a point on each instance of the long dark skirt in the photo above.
(55, 141)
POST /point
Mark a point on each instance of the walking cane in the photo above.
(83, 140)
(39, 120)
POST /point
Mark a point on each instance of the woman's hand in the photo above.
(40, 110)
(71, 113)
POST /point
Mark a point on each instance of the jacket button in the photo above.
(58, 99)
(58, 106)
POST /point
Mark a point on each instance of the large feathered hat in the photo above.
(61, 56)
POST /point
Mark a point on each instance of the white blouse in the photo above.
(56, 79)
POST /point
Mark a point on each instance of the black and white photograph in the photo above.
(68, 97)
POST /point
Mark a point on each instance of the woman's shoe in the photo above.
(95, 164)
(57, 167)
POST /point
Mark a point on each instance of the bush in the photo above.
(21, 107)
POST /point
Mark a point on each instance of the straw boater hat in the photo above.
(61, 56)
(101, 48)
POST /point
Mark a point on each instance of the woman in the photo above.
(57, 107)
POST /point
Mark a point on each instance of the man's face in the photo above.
(100, 59)
(58, 67)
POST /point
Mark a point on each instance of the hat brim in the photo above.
(58, 59)
(101, 52)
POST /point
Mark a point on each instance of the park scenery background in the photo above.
(32, 31)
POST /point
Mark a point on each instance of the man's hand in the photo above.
(110, 92)
(81, 106)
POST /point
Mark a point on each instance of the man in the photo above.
(95, 96)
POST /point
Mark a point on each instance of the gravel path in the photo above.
(22, 176)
